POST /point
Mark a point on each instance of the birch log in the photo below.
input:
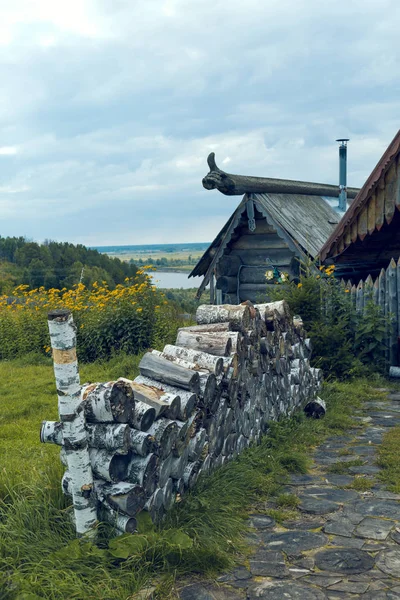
(208, 328)
(109, 436)
(126, 497)
(123, 496)
(107, 465)
(122, 523)
(163, 370)
(202, 360)
(237, 316)
(218, 344)
(51, 433)
(143, 417)
(143, 470)
(106, 402)
(188, 400)
(165, 433)
(280, 307)
(164, 403)
(63, 342)
(142, 443)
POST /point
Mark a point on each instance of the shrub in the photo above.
(345, 342)
(131, 317)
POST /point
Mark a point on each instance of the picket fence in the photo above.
(384, 292)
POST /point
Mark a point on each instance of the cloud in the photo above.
(8, 150)
(109, 110)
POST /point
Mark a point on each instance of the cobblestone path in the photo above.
(345, 544)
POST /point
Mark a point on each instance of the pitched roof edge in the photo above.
(363, 195)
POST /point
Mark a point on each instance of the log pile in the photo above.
(194, 406)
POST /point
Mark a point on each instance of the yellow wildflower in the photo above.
(299, 285)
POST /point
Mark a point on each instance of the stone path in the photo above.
(344, 544)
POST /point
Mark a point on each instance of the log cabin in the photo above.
(278, 224)
(368, 236)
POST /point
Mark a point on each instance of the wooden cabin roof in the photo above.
(309, 220)
(304, 221)
(374, 206)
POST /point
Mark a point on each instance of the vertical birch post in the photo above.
(391, 274)
(63, 342)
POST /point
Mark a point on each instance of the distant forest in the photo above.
(166, 262)
(56, 265)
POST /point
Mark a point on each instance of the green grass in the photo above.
(388, 459)
(287, 501)
(202, 534)
(361, 484)
(341, 467)
(282, 514)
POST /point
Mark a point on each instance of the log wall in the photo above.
(193, 408)
(240, 273)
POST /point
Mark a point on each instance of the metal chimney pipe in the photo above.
(343, 173)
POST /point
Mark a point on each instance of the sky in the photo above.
(109, 108)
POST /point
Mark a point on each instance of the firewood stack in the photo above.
(195, 406)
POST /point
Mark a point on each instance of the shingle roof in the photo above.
(305, 220)
(367, 213)
(309, 220)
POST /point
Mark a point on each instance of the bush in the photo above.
(345, 342)
(131, 317)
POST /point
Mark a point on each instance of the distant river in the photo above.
(175, 280)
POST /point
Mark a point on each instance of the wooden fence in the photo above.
(384, 292)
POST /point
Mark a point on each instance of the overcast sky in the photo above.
(109, 108)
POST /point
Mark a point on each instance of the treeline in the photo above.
(167, 262)
(185, 299)
(56, 265)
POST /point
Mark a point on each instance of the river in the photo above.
(169, 279)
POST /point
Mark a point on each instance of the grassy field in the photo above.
(39, 557)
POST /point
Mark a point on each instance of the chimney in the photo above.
(343, 173)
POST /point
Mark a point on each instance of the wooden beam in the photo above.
(236, 185)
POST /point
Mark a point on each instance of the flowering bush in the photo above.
(130, 317)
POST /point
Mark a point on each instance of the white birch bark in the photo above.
(165, 403)
(109, 436)
(63, 342)
(51, 433)
(123, 523)
(144, 471)
(108, 402)
(188, 400)
(142, 443)
(202, 360)
(109, 466)
(166, 433)
(237, 315)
